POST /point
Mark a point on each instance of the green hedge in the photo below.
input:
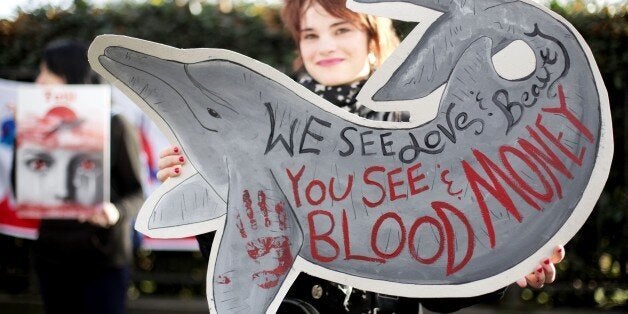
(594, 273)
(252, 30)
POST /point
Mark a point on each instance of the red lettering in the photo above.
(315, 236)
(549, 193)
(545, 159)
(295, 185)
(346, 193)
(308, 192)
(441, 242)
(496, 189)
(412, 180)
(564, 111)
(556, 140)
(60, 98)
(347, 243)
(368, 181)
(375, 231)
(439, 207)
(392, 184)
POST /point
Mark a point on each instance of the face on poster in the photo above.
(62, 139)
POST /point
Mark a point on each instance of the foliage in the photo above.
(252, 30)
(594, 273)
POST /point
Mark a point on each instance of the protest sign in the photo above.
(504, 157)
(10, 224)
(62, 140)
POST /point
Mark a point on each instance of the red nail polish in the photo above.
(546, 261)
(559, 250)
(176, 170)
(181, 159)
(540, 269)
(176, 149)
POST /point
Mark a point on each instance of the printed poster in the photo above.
(10, 224)
(62, 141)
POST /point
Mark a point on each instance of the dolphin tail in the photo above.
(429, 62)
(436, 5)
(429, 57)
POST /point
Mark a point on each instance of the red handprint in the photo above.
(277, 247)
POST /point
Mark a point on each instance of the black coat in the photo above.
(84, 248)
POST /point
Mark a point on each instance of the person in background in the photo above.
(83, 265)
(337, 50)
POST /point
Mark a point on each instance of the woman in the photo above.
(83, 266)
(337, 51)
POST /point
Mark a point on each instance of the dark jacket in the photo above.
(83, 247)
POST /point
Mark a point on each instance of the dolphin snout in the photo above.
(120, 54)
(137, 60)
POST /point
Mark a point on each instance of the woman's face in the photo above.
(334, 51)
(47, 77)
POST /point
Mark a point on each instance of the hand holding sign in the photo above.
(545, 272)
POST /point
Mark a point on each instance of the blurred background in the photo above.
(592, 278)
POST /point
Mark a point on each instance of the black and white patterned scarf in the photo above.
(343, 96)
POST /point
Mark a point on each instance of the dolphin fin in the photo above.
(464, 85)
(191, 201)
(390, 8)
(429, 64)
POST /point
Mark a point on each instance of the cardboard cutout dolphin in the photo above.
(455, 204)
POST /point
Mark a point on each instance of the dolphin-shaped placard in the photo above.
(454, 204)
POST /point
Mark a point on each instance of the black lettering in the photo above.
(414, 147)
(386, 144)
(346, 140)
(449, 133)
(364, 144)
(270, 144)
(316, 136)
(427, 139)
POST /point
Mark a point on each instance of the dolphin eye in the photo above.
(213, 113)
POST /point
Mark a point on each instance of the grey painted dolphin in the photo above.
(459, 205)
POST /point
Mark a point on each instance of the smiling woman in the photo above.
(334, 51)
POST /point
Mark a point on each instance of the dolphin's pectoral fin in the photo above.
(192, 201)
(261, 241)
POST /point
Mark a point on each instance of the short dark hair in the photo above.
(68, 59)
